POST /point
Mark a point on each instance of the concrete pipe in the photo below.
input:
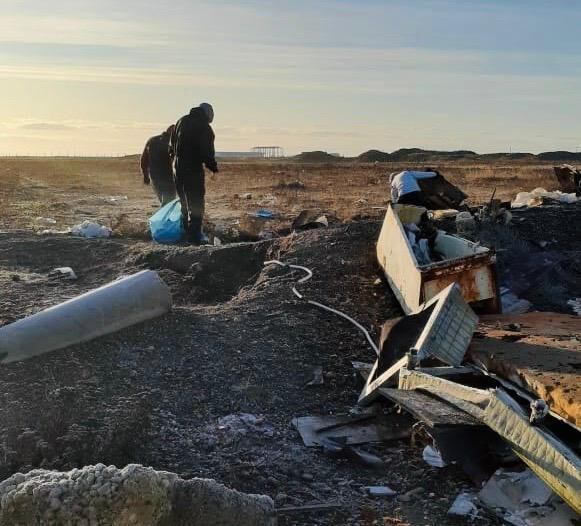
(119, 304)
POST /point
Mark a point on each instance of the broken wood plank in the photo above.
(430, 410)
(548, 324)
(369, 393)
(542, 356)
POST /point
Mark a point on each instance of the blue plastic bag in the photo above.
(166, 224)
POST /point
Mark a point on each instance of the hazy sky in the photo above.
(100, 77)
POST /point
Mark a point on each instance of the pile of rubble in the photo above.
(499, 395)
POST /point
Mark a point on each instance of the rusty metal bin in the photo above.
(470, 265)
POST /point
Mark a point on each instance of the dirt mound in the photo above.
(374, 156)
(516, 156)
(419, 155)
(316, 157)
(209, 275)
(119, 497)
(559, 156)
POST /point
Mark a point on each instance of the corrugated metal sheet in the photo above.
(548, 457)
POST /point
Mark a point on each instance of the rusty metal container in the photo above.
(471, 266)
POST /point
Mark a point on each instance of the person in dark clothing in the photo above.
(192, 148)
(156, 167)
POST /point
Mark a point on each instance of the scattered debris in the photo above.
(465, 224)
(54, 232)
(464, 506)
(338, 447)
(439, 193)
(522, 499)
(117, 198)
(569, 178)
(575, 305)
(441, 328)
(46, 220)
(66, 272)
(433, 457)
(237, 425)
(470, 265)
(119, 304)
(380, 491)
(263, 214)
(438, 215)
(310, 219)
(540, 196)
(512, 304)
(317, 377)
(91, 229)
(357, 430)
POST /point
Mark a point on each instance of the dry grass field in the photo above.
(237, 340)
(109, 190)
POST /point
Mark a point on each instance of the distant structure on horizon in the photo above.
(238, 155)
(268, 152)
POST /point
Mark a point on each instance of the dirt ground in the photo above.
(34, 192)
(237, 340)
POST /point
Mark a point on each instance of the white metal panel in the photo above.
(396, 258)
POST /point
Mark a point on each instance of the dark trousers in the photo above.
(191, 188)
(163, 186)
(413, 198)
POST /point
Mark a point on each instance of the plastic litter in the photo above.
(534, 198)
(117, 198)
(166, 224)
(512, 304)
(90, 229)
(263, 214)
(433, 457)
(318, 378)
(525, 500)
(66, 272)
(575, 305)
(46, 220)
(464, 506)
(380, 491)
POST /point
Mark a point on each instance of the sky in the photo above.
(79, 77)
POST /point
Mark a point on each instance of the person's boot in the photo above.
(197, 237)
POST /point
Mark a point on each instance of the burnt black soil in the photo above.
(539, 254)
(236, 341)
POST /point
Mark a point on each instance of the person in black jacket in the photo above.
(192, 147)
(156, 167)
